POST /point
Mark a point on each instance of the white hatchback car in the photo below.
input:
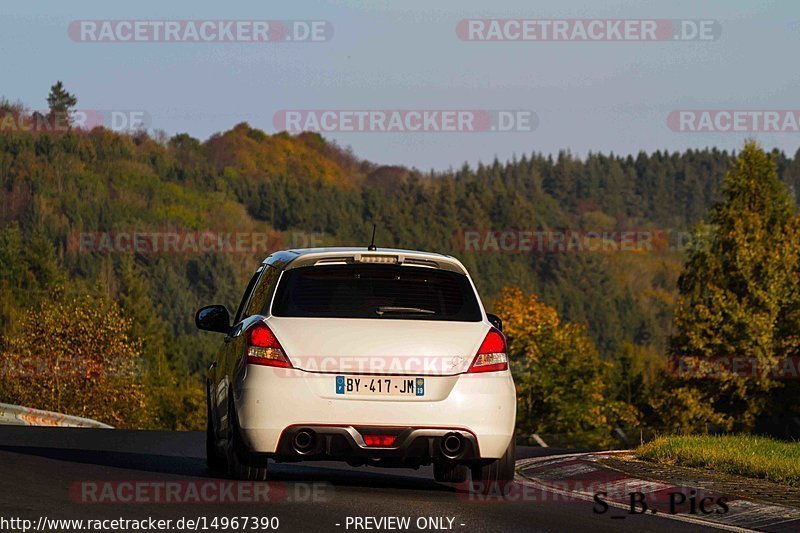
(370, 356)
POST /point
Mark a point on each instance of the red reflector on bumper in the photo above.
(383, 441)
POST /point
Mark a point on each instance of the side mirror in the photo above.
(495, 320)
(213, 318)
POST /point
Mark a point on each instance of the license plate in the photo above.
(373, 386)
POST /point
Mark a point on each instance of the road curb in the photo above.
(579, 476)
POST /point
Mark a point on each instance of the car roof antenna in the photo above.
(372, 246)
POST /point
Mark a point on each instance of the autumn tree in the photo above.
(73, 355)
(738, 302)
(562, 383)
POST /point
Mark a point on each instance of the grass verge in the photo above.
(743, 455)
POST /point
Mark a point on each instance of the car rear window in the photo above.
(376, 291)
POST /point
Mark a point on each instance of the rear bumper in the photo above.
(273, 404)
(420, 445)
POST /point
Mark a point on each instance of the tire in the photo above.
(497, 476)
(213, 459)
(450, 472)
(241, 463)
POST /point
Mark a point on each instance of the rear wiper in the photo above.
(403, 311)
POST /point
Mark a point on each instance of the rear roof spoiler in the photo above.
(296, 260)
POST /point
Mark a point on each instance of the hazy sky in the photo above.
(588, 96)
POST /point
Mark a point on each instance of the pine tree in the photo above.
(60, 102)
(737, 290)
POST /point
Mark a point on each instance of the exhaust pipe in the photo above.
(451, 445)
(304, 441)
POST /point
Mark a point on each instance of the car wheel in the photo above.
(241, 463)
(213, 458)
(450, 472)
(497, 476)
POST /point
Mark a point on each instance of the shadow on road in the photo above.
(336, 475)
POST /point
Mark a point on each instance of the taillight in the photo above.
(491, 356)
(381, 441)
(264, 349)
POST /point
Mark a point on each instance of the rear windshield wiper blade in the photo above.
(403, 311)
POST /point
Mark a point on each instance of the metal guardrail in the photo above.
(625, 438)
(16, 415)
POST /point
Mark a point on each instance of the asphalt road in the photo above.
(58, 473)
